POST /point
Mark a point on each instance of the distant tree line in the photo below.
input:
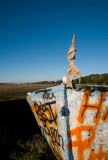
(50, 82)
(94, 79)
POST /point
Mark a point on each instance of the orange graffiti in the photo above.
(85, 105)
(105, 115)
(54, 140)
(47, 118)
(81, 144)
(98, 156)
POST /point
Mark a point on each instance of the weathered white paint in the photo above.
(74, 122)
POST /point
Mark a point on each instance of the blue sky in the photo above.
(35, 37)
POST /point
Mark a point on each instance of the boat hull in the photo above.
(74, 122)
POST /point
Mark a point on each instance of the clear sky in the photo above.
(35, 37)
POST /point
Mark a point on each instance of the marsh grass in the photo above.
(34, 149)
(19, 91)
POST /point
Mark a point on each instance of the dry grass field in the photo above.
(19, 91)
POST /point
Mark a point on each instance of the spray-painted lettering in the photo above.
(85, 105)
(50, 95)
(48, 119)
(81, 144)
